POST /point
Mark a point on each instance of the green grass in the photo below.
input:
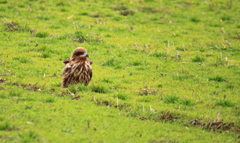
(170, 99)
(163, 71)
(121, 95)
(42, 34)
(217, 79)
(225, 103)
(4, 126)
(99, 89)
(197, 59)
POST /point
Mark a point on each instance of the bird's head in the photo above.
(80, 53)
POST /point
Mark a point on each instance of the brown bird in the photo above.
(77, 69)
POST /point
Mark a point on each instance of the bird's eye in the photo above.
(79, 53)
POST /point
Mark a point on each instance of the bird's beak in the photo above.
(85, 55)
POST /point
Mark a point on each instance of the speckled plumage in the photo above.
(77, 69)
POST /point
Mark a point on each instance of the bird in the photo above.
(77, 68)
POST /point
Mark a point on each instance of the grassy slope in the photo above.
(135, 67)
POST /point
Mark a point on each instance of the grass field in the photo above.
(163, 71)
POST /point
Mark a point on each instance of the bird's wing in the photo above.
(91, 74)
(68, 64)
(90, 68)
(66, 61)
(90, 62)
(66, 68)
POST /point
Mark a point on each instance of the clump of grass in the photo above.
(42, 34)
(112, 62)
(27, 107)
(63, 10)
(99, 89)
(186, 102)
(230, 86)
(4, 126)
(182, 48)
(45, 49)
(29, 136)
(78, 34)
(121, 95)
(136, 63)
(80, 37)
(82, 87)
(72, 88)
(225, 103)
(42, 49)
(116, 18)
(50, 100)
(15, 94)
(107, 80)
(219, 61)
(78, 88)
(45, 55)
(195, 19)
(215, 24)
(55, 26)
(44, 17)
(61, 37)
(105, 102)
(23, 60)
(217, 79)
(226, 18)
(83, 13)
(3, 2)
(61, 4)
(3, 95)
(197, 59)
(170, 99)
(158, 55)
(109, 62)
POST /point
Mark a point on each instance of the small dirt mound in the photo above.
(164, 116)
(13, 26)
(2, 80)
(215, 125)
(28, 86)
(147, 91)
(218, 125)
(127, 12)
